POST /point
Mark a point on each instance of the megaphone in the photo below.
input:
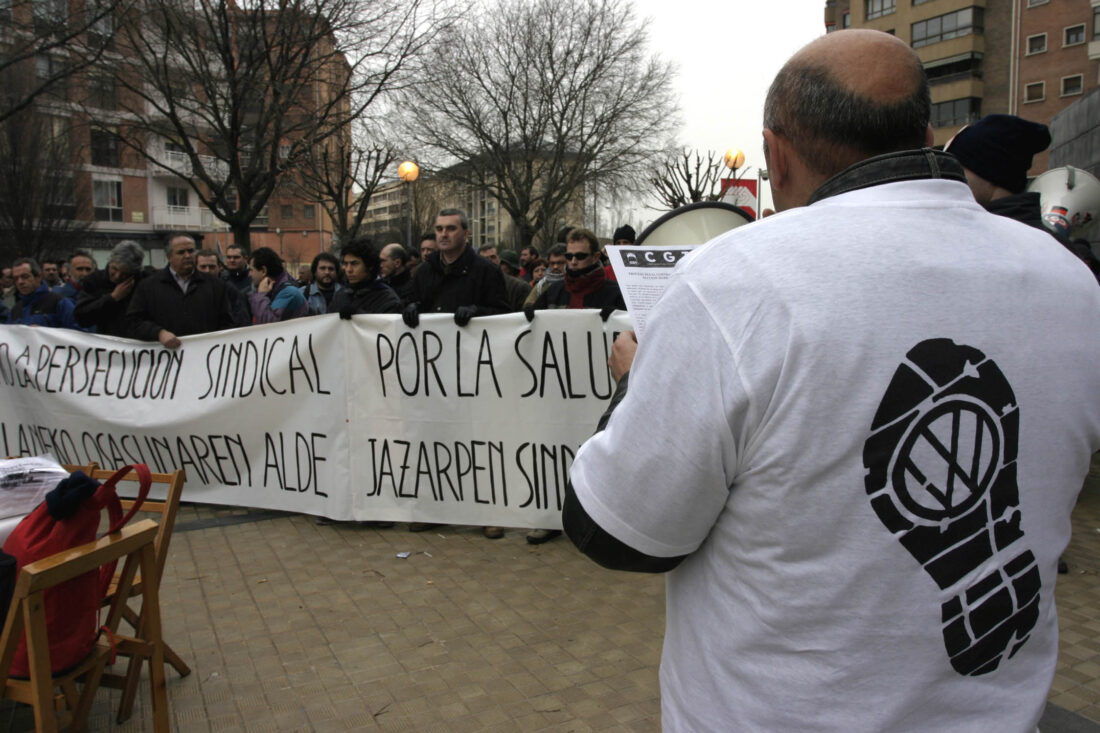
(693, 223)
(1069, 199)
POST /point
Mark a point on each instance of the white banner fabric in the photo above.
(362, 420)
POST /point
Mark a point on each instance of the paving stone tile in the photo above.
(289, 626)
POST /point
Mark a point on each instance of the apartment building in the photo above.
(135, 185)
(1030, 58)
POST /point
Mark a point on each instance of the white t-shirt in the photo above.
(867, 422)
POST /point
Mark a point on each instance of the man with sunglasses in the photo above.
(586, 284)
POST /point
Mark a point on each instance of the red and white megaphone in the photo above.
(1070, 200)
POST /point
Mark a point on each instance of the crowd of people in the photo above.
(200, 291)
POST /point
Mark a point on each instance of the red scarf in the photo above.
(587, 281)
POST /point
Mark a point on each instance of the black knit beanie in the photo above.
(624, 232)
(999, 148)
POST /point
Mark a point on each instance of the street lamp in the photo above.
(734, 159)
(408, 172)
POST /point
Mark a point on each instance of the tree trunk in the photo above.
(242, 236)
(525, 233)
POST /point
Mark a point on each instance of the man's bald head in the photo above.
(848, 96)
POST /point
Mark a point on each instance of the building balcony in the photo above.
(171, 164)
(176, 164)
(186, 218)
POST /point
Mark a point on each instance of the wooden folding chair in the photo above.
(70, 708)
(87, 468)
(167, 509)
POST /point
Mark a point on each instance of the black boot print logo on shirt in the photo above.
(941, 475)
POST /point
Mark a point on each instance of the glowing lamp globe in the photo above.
(408, 171)
(734, 158)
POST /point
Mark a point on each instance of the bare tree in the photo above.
(425, 205)
(342, 174)
(687, 176)
(532, 99)
(236, 95)
(48, 41)
(38, 187)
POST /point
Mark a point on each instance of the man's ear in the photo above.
(777, 157)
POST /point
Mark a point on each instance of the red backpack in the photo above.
(72, 607)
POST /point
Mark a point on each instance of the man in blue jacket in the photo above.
(276, 296)
(35, 304)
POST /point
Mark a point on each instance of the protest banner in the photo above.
(366, 419)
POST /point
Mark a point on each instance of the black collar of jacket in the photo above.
(459, 267)
(907, 165)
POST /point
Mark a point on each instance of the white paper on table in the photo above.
(24, 483)
(643, 274)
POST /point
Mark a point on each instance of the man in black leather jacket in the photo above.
(455, 279)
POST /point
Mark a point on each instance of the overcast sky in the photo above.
(727, 52)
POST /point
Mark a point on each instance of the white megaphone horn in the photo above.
(1069, 199)
(694, 224)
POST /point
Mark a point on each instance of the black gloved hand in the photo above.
(347, 311)
(411, 316)
(606, 312)
(464, 313)
(529, 311)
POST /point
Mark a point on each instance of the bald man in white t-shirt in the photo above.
(854, 432)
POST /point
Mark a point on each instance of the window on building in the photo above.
(62, 204)
(1072, 85)
(107, 200)
(920, 2)
(5, 10)
(286, 211)
(178, 196)
(101, 24)
(51, 70)
(229, 196)
(956, 112)
(308, 211)
(105, 146)
(944, 27)
(846, 20)
(1033, 3)
(1074, 35)
(50, 16)
(1035, 91)
(1096, 22)
(879, 8)
(57, 128)
(102, 92)
(953, 68)
(1036, 43)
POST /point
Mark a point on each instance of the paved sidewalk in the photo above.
(291, 626)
